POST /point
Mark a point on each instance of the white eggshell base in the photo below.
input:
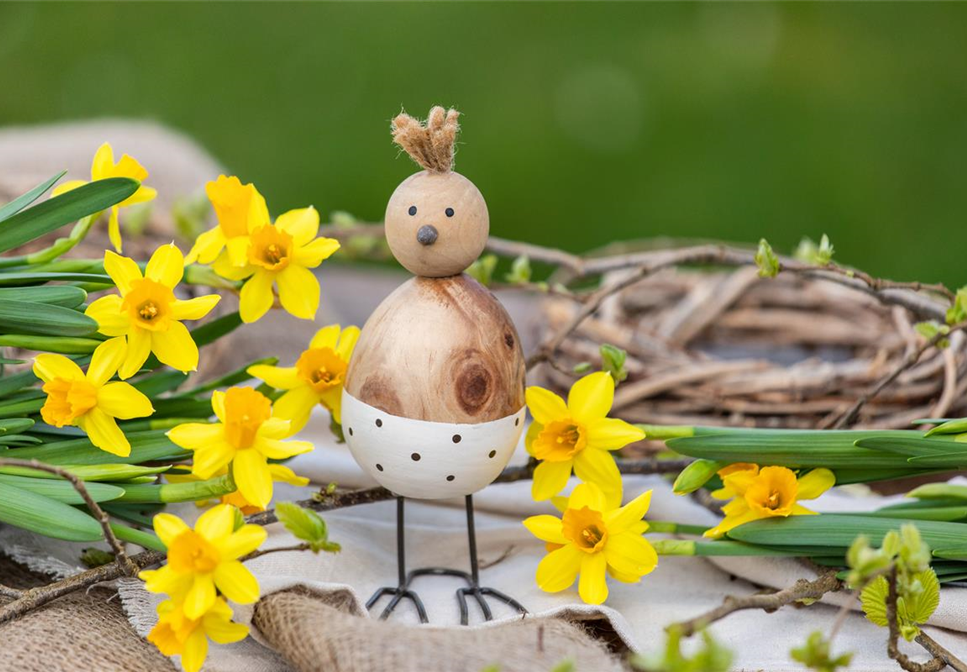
(428, 460)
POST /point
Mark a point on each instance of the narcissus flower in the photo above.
(316, 378)
(246, 436)
(147, 313)
(281, 255)
(205, 558)
(592, 540)
(577, 435)
(103, 168)
(175, 634)
(766, 493)
(88, 400)
(240, 209)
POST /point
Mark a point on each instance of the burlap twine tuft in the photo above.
(321, 632)
(431, 145)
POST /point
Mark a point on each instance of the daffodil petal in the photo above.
(166, 580)
(544, 405)
(207, 246)
(114, 229)
(103, 164)
(314, 253)
(593, 584)
(218, 404)
(166, 266)
(279, 377)
(168, 527)
(630, 554)
(200, 597)
(256, 297)
(296, 405)
(347, 342)
(731, 522)
(194, 309)
(299, 292)
(216, 523)
(224, 631)
(598, 467)
(558, 569)
(301, 224)
(106, 311)
(546, 528)
(123, 271)
(123, 401)
(331, 399)
(275, 449)
(327, 337)
(139, 347)
(237, 247)
(195, 651)
(212, 459)
(815, 483)
(629, 514)
(252, 477)
(104, 433)
(192, 435)
(243, 541)
(588, 494)
(276, 428)
(549, 479)
(591, 397)
(48, 366)
(106, 360)
(142, 195)
(612, 434)
(236, 582)
(282, 474)
(800, 510)
(224, 267)
(175, 347)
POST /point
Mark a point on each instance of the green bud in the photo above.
(674, 546)
(520, 270)
(695, 475)
(766, 260)
(613, 361)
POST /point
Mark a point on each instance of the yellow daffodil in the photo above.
(175, 634)
(147, 313)
(104, 167)
(240, 209)
(88, 400)
(766, 493)
(205, 558)
(316, 378)
(577, 435)
(281, 255)
(593, 539)
(246, 436)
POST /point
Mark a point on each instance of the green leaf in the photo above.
(520, 271)
(482, 270)
(21, 202)
(958, 426)
(95, 557)
(15, 425)
(189, 491)
(939, 491)
(30, 511)
(67, 296)
(613, 361)
(873, 599)
(815, 654)
(20, 279)
(148, 446)
(60, 344)
(930, 328)
(212, 331)
(62, 491)
(54, 213)
(766, 260)
(140, 537)
(91, 472)
(305, 525)
(958, 312)
(23, 317)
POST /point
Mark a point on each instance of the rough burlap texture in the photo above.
(83, 631)
(317, 631)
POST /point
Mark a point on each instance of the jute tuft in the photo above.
(430, 145)
(317, 632)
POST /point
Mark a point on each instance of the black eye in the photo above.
(412, 210)
(449, 212)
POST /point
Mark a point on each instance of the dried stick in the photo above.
(938, 651)
(7, 591)
(121, 558)
(802, 590)
(908, 360)
(37, 597)
(258, 553)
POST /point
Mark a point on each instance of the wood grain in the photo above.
(453, 206)
(442, 350)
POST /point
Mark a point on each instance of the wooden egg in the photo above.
(433, 404)
(436, 223)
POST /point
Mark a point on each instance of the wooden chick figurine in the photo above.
(433, 404)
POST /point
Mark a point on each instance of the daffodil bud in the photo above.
(695, 475)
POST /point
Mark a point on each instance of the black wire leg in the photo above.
(402, 590)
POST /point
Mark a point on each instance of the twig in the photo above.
(7, 591)
(37, 597)
(802, 590)
(908, 360)
(892, 649)
(938, 651)
(102, 518)
(258, 553)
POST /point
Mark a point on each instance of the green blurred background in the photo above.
(583, 123)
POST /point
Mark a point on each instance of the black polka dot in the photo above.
(379, 423)
(412, 210)
(350, 431)
(456, 438)
(449, 212)
(415, 457)
(379, 467)
(451, 477)
(493, 454)
(516, 422)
